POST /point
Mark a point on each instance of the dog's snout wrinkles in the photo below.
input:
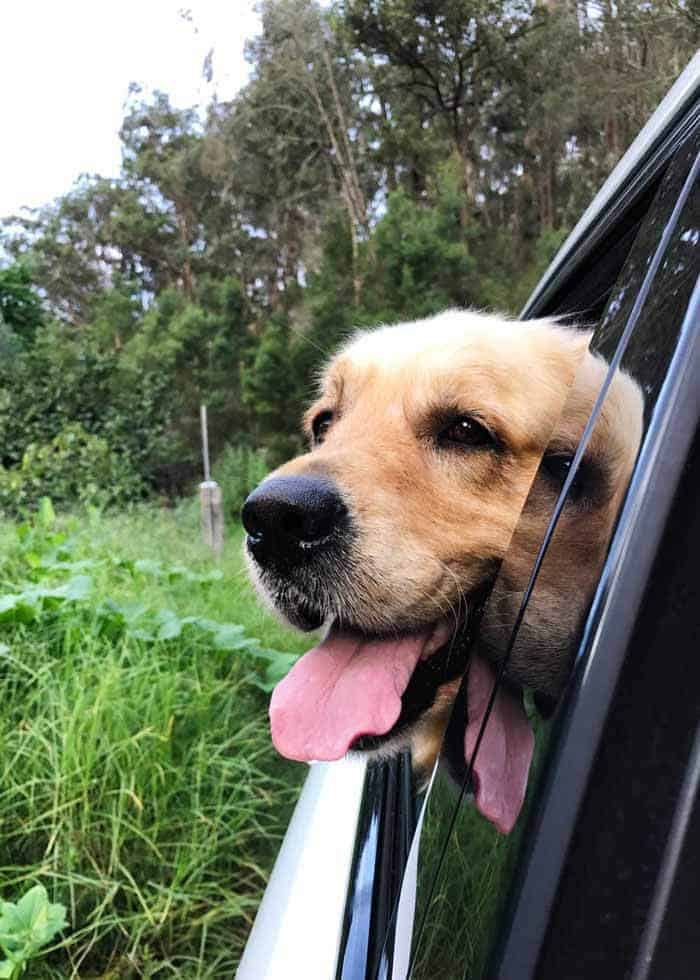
(289, 515)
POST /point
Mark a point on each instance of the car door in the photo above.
(572, 891)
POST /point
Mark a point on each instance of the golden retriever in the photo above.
(430, 444)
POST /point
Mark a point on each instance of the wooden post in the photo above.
(211, 504)
(205, 442)
(212, 515)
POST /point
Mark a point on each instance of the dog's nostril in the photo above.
(288, 512)
(252, 518)
(313, 519)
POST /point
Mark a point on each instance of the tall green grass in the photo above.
(137, 778)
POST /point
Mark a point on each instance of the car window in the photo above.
(465, 866)
(655, 342)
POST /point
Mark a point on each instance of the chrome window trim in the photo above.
(297, 929)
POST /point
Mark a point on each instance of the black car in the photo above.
(382, 878)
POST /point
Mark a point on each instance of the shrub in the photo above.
(74, 466)
(59, 382)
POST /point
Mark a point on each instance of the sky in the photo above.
(65, 69)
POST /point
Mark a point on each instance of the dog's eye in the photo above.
(590, 483)
(464, 432)
(556, 466)
(320, 426)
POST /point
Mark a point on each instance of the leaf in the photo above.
(170, 625)
(17, 608)
(34, 919)
(78, 588)
(230, 636)
(74, 590)
(47, 515)
(33, 559)
(51, 564)
(202, 623)
(278, 668)
(146, 566)
(7, 970)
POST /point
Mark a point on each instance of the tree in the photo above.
(21, 313)
(450, 56)
(78, 243)
(388, 158)
(298, 118)
(271, 391)
(421, 262)
(164, 159)
(198, 346)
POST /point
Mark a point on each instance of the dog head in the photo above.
(389, 533)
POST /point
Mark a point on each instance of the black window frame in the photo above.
(534, 939)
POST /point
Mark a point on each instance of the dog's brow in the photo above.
(330, 393)
(320, 405)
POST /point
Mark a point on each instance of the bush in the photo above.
(238, 470)
(59, 382)
(74, 466)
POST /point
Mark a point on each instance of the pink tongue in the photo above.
(347, 687)
(503, 760)
(343, 688)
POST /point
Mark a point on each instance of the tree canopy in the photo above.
(387, 158)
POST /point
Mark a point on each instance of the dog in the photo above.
(437, 448)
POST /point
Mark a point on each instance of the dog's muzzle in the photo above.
(291, 520)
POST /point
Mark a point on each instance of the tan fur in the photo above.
(432, 524)
(572, 564)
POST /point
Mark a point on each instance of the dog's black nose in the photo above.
(289, 516)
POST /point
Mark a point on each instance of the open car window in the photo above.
(459, 894)
(434, 888)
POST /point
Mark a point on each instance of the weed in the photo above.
(26, 927)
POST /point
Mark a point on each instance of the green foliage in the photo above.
(238, 471)
(20, 307)
(61, 383)
(27, 926)
(137, 770)
(420, 257)
(386, 159)
(271, 393)
(73, 466)
(196, 347)
(330, 305)
(115, 314)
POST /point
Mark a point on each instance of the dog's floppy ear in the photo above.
(549, 631)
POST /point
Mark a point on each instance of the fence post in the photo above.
(211, 505)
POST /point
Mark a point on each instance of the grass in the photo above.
(137, 779)
(468, 895)
(138, 783)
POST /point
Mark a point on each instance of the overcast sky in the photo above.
(65, 68)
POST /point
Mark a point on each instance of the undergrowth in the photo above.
(138, 784)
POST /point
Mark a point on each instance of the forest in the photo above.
(387, 159)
